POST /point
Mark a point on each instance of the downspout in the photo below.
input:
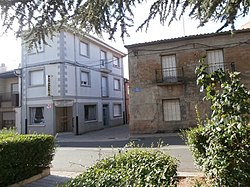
(76, 104)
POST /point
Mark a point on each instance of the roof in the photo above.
(8, 74)
(207, 35)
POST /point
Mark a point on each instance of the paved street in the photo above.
(76, 153)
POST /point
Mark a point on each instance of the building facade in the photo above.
(74, 84)
(163, 90)
(9, 99)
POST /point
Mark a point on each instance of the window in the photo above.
(104, 86)
(171, 110)
(117, 110)
(38, 48)
(169, 70)
(90, 112)
(116, 62)
(117, 84)
(36, 78)
(84, 49)
(85, 79)
(37, 115)
(215, 60)
(103, 59)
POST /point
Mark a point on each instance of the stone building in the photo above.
(163, 90)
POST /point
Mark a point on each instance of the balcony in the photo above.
(225, 66)
(9, 99)
(170, 75)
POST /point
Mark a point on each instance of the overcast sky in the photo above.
(11, 48)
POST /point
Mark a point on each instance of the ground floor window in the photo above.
(90, 113)
(171, 110)
(117, 110)
(37, 115)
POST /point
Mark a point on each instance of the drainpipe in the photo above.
(76, 104)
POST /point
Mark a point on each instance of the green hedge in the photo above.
(22, 156)
(135, 168)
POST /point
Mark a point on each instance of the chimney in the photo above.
(3, 68)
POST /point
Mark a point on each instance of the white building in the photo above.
(73, 85)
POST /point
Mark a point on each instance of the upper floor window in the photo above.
(104, 89)
(117, 84)
(169, 70)
(36, 78)
(116, 62)
(103, 59)
(215, 59)
(85, 78)
(84, 49)
(37, 48)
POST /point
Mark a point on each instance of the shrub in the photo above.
(135, 167)
(22, 156)
(221, 143)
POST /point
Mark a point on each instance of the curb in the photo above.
(44, 173)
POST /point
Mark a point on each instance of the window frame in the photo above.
(43, 78)
(107, 86)
(96, 110)
(171, 112)
(103, 62)
(87, 48)
(119, 83)
(88, 76)
(38, 48)
(120, 108)
(33, 114)
(116, 59)
(213, 66)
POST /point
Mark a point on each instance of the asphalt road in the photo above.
(145, 142)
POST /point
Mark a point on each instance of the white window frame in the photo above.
(118, 81)
(84, 49)
(88, 117)
(37, 120)
(104, 86)
(117, 112)
(215, 60)
(169, 68)
(171, 110)
(37, 48)
(116, 62)
(103, 58)
(41, 83)
(83, 82)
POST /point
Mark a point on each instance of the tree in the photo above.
(40, 18)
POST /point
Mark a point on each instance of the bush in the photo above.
(135, 167)
(221, 144)
(23, 156)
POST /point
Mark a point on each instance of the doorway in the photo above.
(105, 113)
(64, 122)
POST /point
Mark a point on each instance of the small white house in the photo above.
(74, 84)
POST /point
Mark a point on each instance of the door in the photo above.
(169, 68)
(64, 119)
(105, 113)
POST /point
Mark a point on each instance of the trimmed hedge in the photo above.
(134, 168)
(23, 156)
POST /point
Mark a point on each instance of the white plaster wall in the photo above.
(70, 82)
(9, 82)
(51, 53)
(54, 71)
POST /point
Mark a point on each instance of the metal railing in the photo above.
(9, 97)
(169, 75)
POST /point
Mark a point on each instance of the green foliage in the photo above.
(135, 167)
(23, 156)
(221, 144)
(42, 18)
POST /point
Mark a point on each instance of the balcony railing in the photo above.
(169, 75)
(9, 97)
(187, 73)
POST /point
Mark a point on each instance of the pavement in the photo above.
(70, 161)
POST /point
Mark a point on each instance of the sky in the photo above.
(10, 47)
